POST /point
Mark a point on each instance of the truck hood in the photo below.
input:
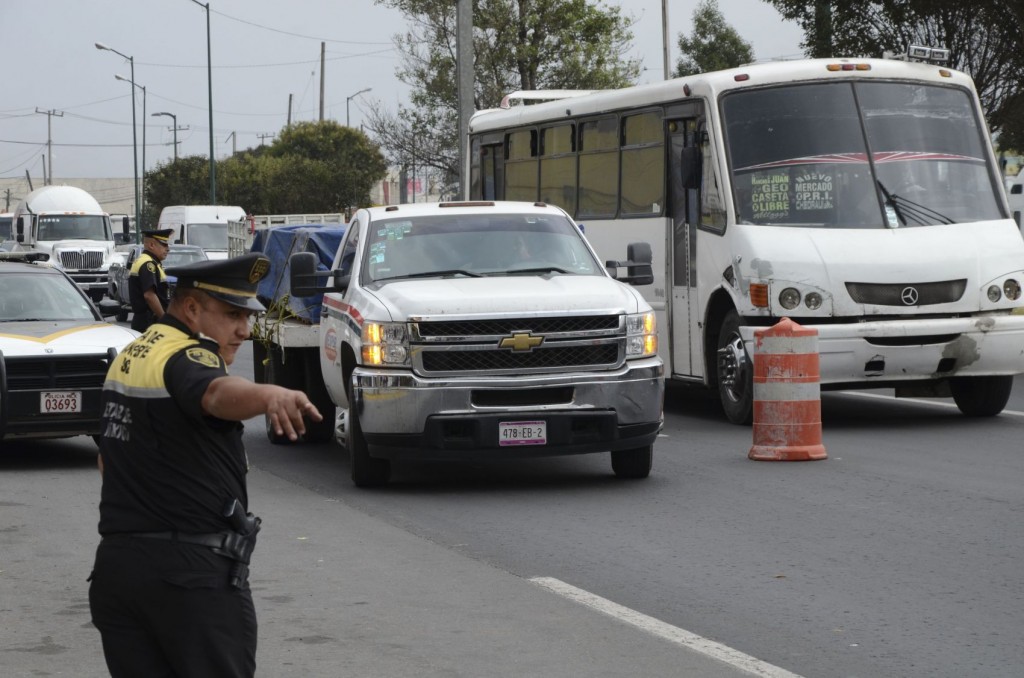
(427, 299)
(62, 337)
(978, 252)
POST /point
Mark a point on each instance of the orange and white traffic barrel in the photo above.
(787, 394)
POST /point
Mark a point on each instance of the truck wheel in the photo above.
(280, 374)
(318, 431)
(981, 396)
(735, 372)
(366, 471)
(121, 316)
(634, 463)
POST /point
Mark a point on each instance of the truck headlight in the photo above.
(641, 335)
(385, 344)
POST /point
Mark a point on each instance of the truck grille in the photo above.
(519, 345)
(55, 372)
(72, 259)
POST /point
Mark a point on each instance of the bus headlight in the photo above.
(994, 294)
(641, 335)
(1011, 288)
(812, 301)
(789, 298)
(385, 344)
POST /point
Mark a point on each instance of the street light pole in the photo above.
(362, 91)
(143, 182)
(174, 121)
(209, 82)
(135, 143)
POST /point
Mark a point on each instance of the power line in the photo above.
(296, 35)
(284, 63)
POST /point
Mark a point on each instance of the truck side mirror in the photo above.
(638, 265)
(302, 274)
(689, 167)
(21, 229)
(126, 227)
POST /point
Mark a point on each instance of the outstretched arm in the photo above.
(237, 399)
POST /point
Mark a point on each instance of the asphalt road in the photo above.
(899, 555)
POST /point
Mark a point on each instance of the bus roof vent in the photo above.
(543, 95)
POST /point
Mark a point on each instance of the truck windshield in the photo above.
(858, 155)
(73, 227)
(477, 245)
(208, 236)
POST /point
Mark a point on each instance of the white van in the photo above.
(202, 225)
(1015, 196)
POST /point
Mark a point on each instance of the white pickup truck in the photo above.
(474, 330)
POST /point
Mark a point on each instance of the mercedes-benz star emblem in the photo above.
(909, 296)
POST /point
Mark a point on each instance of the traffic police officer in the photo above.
(147, 281)
(169, 591)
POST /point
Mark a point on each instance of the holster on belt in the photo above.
(238, 544)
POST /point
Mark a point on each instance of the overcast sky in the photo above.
(263, 51)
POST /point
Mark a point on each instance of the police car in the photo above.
(55, 348)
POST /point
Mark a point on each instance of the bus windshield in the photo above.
(857, 155)
(73, 227)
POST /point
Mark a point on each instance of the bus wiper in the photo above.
(920, 213)
(891, 203)
(432, 274)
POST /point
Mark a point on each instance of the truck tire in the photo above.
(318, 431)
(981, 396)
(366, 471)
(121, 315)
(633, 464)
(735, 372)
(284, 373)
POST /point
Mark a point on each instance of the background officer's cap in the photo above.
(162, 234)
(230, 280)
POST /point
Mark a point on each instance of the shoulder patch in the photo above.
(151, 267)
(203, 356)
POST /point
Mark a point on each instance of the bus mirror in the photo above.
(21, 229)
(689, 167)
(126, 227)
(638, 265)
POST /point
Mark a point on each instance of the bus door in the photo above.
(684, 212)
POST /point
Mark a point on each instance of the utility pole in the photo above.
(664, 38)
(264, 136)
(290, 109)
(233, 144)
(49, 141)
(464, 59)
(323, 53)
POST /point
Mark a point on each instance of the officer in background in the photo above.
(169, 591)
(147, 281)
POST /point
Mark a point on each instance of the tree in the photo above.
(713, 45)
(517, 44)
(983, 37)
(310, 167)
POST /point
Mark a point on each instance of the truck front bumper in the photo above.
(403, 415)
(888, 351)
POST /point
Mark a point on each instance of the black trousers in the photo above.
(142, 319)
(166, 610)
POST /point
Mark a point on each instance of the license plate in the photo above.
(522, 433)
(60, 402)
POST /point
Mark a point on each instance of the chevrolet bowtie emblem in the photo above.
(521, 342)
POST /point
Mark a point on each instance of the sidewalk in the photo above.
(337, 593)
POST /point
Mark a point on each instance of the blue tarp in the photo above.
(281, 242)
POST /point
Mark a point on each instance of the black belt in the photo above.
(214, 540)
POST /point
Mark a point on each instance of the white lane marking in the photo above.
(919, 401)
(674, 634)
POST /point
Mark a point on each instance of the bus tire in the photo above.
(981, 396)
(366, 470)
(735, 372)
(633, 464)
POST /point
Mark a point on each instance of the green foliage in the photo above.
(517, 44)
(983, 37)
(310, 167)
(713, 46)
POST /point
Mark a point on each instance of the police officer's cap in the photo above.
(162, 234)
(230, 280)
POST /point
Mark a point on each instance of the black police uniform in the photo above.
(161, 596)
(146, 273)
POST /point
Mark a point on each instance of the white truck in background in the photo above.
(242, 232)
(69, 226)
(202, 225)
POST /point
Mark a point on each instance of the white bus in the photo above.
(860, 197)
